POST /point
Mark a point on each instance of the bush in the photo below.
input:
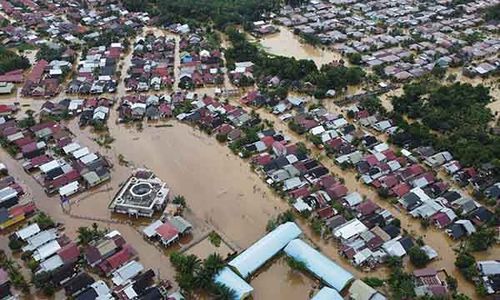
(15, 245)
(374, 282)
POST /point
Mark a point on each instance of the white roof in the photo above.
(126, 272)
(317, 130)
(327, 293)
(234, 282)
(431, 253)
(51, 264)
(7, 193)
(87, 159)
(150, 230)
(301, 206)
(69, 189)
(102, 290)
(469, 227)
(75, 103)
(81, 152)
(71, 147)
(381, 147)
(394, 248)
(50, 166)
(350, 229)
(320, 265)
(264, 249)
(39, 239)
(28, 231)
(46, 250)
(353, 198)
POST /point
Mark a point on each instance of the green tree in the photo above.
(418, 257)
(179, 200)
(44, 221)
(222, 292)
(87, 235)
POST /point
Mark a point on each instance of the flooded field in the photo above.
(288, 44)
(278, 281)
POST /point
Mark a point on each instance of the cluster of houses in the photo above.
(51, 252)
(149, 107)
(96, 72)
(13, 208)
(484, 55)
(365, 230)
(45, 78)
(152, 64)
(200, 63)
(397, 175)
(409, 177)
(60, 164)
(70, 22)
(91, 111)
(113, 258)
(242, 74)
(433, 33)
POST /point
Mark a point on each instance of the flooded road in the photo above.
(288, 44)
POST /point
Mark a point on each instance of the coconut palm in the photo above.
(222, 292)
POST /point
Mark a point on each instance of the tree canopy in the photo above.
(220, 12)
(450, 117)
(10, 61)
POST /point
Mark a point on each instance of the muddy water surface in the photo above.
(288, 44)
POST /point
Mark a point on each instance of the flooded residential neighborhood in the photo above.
(295, 150)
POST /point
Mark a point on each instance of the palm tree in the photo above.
(211, 266)
(222, 292)
(85, 236)
(213, 263)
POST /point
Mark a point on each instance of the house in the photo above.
(182, 226)
(100, 250)
(77, 284)
(427, 282)
(362, 291)
(350, 229)
(460, 229)
(168, 233)
(489, 271)
(126, 272)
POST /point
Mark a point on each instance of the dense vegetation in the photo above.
(453, 118)
(10, 61)
(291, 71)
(492, 13)
(220, 12)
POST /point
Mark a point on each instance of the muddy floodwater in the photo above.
(288, 44)
(277, 280)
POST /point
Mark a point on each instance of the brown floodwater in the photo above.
(276, 280)
(288, 44)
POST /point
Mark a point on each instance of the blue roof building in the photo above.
(327, 293)
(318, 264)
(264, 249)
(234, 282)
